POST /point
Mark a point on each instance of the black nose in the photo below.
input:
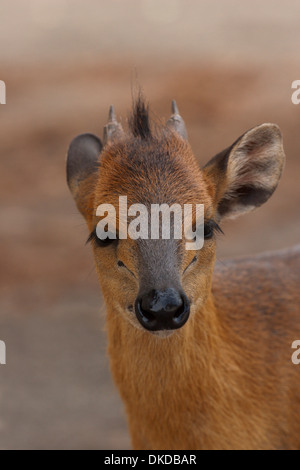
(162, 310)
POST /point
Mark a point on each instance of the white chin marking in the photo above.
(162, 333)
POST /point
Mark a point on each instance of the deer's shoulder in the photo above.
(260, 290)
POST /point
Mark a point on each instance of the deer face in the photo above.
(157, 283)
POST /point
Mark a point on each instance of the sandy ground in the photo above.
(229, 69)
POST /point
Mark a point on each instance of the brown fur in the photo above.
(225, 380)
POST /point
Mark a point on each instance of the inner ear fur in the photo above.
(82, 170)
(247, 173)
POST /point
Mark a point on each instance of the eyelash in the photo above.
(93, 238)
(210, 228)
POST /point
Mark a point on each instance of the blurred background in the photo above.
(228, 63)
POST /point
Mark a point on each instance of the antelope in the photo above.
(200, 351)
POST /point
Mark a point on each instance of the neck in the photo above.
(190, 390)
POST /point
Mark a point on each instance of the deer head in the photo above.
(155, 284)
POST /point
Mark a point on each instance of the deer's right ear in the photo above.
(246, 174)
(82, 170)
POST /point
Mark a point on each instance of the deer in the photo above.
(199, 350)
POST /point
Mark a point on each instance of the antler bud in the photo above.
(113, 129)
(176, 123)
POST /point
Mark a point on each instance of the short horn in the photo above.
(113, 129)
(176, 123)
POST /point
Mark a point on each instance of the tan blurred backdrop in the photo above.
(228, 63)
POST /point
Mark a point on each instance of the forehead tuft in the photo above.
(149, 164)
(139, 122)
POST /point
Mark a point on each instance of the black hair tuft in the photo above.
(139, 120)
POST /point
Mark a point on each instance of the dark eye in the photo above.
(210, 228)
(101, 243)
(106, 242)
(208, 231)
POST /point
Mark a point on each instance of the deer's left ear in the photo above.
(246, 174)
